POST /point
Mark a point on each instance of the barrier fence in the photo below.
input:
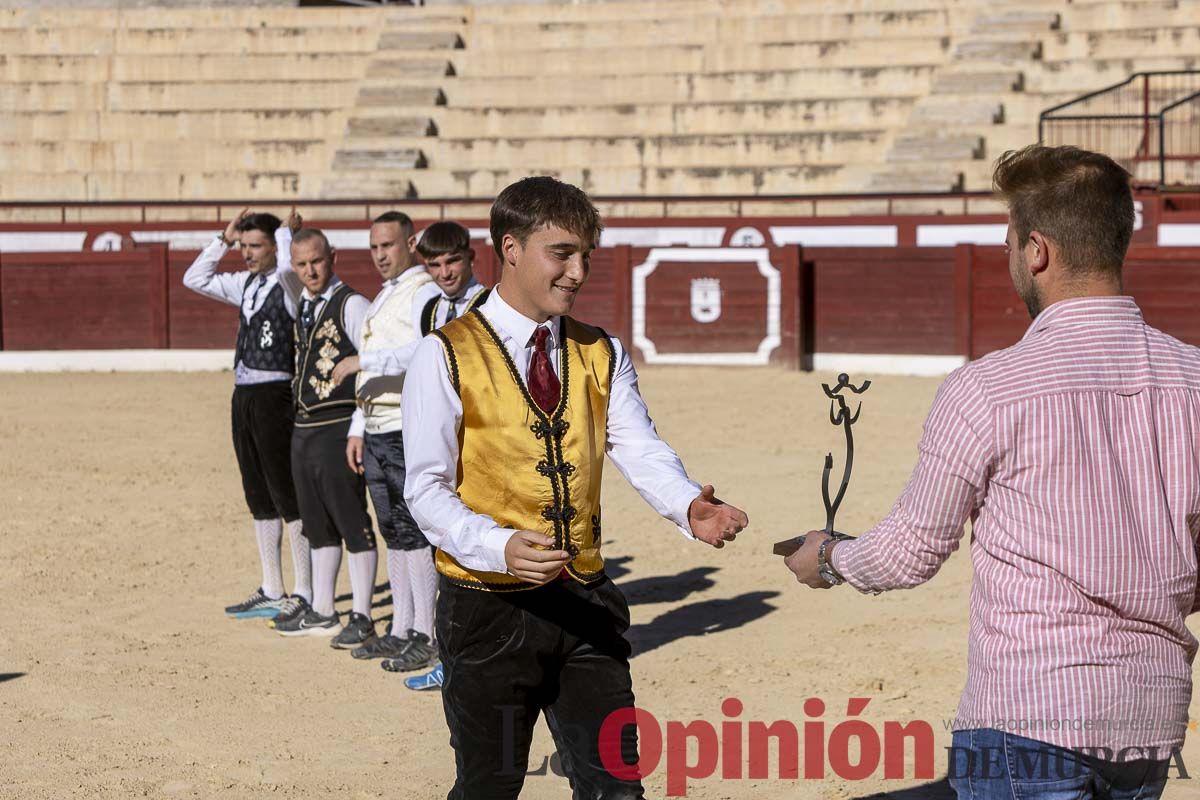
(695, 305)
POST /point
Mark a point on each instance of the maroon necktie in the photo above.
(543, 383)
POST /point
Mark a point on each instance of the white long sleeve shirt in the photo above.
(231, 288)
(431, 444)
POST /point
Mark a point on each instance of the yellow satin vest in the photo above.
(524, 469)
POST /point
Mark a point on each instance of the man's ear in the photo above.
(511, 248)
(1037, 253)
(332, 256)
(412, 243)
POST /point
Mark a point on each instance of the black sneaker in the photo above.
(386, 646)
(293, 606)
(358, 630)
(310, 623)
(419, 654)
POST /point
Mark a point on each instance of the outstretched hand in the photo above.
(713, 521)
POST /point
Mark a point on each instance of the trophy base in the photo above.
(789, 546)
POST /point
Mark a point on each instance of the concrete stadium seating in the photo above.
(688, 97)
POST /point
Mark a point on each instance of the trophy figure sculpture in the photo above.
(839, 414)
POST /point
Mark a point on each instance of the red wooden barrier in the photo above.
(69, 301)
(894, 300)
(1165, 281)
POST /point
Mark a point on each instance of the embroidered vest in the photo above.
(388, 327)
(525, 469)
(317, 401)
(428, 314)
(265, 340)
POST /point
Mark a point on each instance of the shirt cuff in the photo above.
(494, 542)
(843, 559)
(370, 362)
(358, 424)
(680, 505)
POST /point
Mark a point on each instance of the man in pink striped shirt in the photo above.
(1076, 455)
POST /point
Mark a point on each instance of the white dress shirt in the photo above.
(231, 288)
(431, 446)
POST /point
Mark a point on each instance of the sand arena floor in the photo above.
(124, 534)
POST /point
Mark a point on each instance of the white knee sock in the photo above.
(268, 532)
(301, 560)
(402, 604)
(325, 561)
(422, 584)
(362, 579)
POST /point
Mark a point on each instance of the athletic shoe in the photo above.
(310, 623)
(386, 646)
(358, 630)
(257, 605)
(418, 655)
(292, 606)
(429, 681)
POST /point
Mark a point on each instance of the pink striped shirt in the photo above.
(1076, 454)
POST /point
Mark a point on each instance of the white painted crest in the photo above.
(706, 299)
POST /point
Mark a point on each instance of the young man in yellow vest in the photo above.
(518, 404)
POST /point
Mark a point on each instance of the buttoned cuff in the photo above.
(494, 542)
(843, 559)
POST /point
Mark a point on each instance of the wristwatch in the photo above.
(824, 568)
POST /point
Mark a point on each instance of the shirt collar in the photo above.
(471, 284)
(408, 273)
(1086, 310)
(325, 295)
(515, 325)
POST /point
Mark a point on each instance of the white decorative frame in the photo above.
(708, 255)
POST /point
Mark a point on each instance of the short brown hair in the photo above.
(1080, 200)
(533, 203)
(307, 234)
(443, 237)
(400, 218)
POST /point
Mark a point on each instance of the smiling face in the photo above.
(313, 264)
(258, 251)
(451, 271)
(543, 277)
(391, 251)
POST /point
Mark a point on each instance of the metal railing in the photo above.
(1150, 123)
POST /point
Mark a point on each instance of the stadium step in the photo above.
(409, 68)
(399, 96)
(926, 147)
(930, 178)
(380, 159)
(950, 81)
(1021, 20)
(393, 125)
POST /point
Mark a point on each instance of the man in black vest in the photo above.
(332, 497)
(266, 294)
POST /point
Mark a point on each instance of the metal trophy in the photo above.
(839, 414)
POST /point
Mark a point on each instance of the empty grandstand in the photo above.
(672, 97)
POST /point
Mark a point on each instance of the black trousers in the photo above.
(262, 417)
(383, 462)
(332, 497)
(557, 650)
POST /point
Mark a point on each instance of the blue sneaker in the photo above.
(428, 682)
(257, 605)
